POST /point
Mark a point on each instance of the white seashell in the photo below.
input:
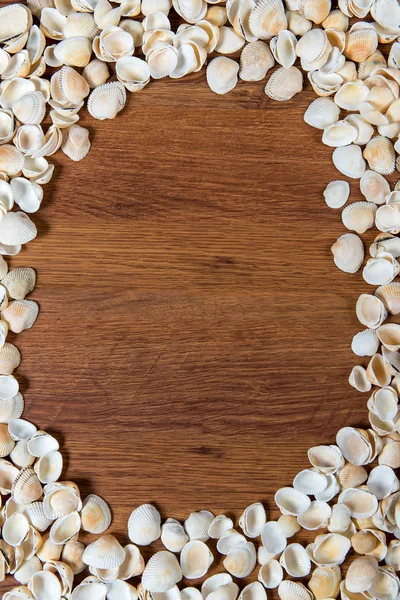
(24, 574)
(96, 73)
(133, 564)
(289, 525)
(273, 538)
(283, 47)
(11, 160)
(107, 100)
(284, 84)
(361, 502)
(351, 95)
(45, 584)
(385, 242)
(327, 459)
(104, 553)
(374, 187)
(49, 467)
(291, 501)
(191, 593)
(30, 109)
(241, 560)
(10, 359)
(354, 445)
(192, 12)
(379, 371)
(359, 216)
(222, 74)
(389, 295)
(295, 561)
(197, 524)
(387, 218)
(35, 514)
(361, 573)
(340, 519)
(382, 481)
(173, 535)
(95, 514)
(255, 61)
(365, 343)
(336, 193)
(13, 90)
(133, 72)
(349, 161)
(291, 590)
(316, 516)
(392, 558)
(19, 282)
(313, 49)
(271, 574)
(16, 228)
(26, 487)
(76, 142)
(380, 155)
(329, 549)
(15, 529)
(121, 590)
(195, 559)
(72, 556)
(150, 6)
(253, 520)
(161, 572)
(20, 314)
(365, 130)
(385, 585)
(229, 41)
(370, 310)
(144, 525)
(90, 588)
(74, 51)
(321, 113)
(229, 539)
(296, 23)
(8, 387)
(11, 408)
(8, 474)
(113, 43)
(7, 126)
(213, 583)
(339, 134)
(389, 336)
(21, 430)
(219, 526)
(27, 195)
(348, 253)
(381, 269)
(310, 481)
(253, 591)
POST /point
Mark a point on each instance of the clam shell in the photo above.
(392, 558)
(325, 582)
(340, 519)
(35, 514)
(271, 574)
(253, 591)
(289, 525)
(374, 187)
(96, 73)
(229, 539)
(267, 19)
(76, 142)
(296, 23)
(358, 216)
(24, 574)
(74, 51)
(8, 474)
(88, 589)
(133, 72)
(46, 585)
(329, 549)
(241, 560)
(10, 359)
(11, 408)
(291, 501)
(385, 242)
(379, 371)
(382, 481)
(292, 590)
(283, 47)
(30, 109)
(349, 161)
(8, 387)
(360, 44)
(16, 228)
(255, 61)
(15, 529)
(68, 86)
(381, 269)
(361, 573)
(354, 445)
(327, 459)
(370, 310)
(348, 253)
(229, 41)
(105, 553)
(11, 160)
(80, 25)
(19, 282)
(389, 335)
(380, 155)
(162, 572)
(361, 503)
(386, 584)
(365, 343)
(284, 84)
(133, 564)
(197, 524)
(222, 74)
(21, 314)
(107, 100)
(310, 481)
(95, 515)
(216, 15)
(321, 113)
(65, 528)
(313, 49)
(71, 555)
(195, 559)
(316, 516)
(144, 525)
(374, 61)
(173, 535)
(253, 520)
(26, 487)
(213, 583)
(27, 194)
(219, 526)
(295, 561)
(351, 95)
(389, 295)
(273, 538)
(336, 193)
(339, 134)
(365, 130)
(49, 467)
(387, 218)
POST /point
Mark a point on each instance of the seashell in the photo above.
(381, 269)
(144, 525)
(161, 572)
(19, 282)
(133, 564)
(229, 539)
(26, 487)
(16, 228)
(11, 160)
(364, 129)
(23, 575)
(105, 15)
(336, 20)
(374, 61)
(349, 161)
(6, 442)
(267, 19)
(255, 61)
(348, 253)
(295, 561)
(392, 558)
(339, 134)
(27, 195)
(292, 590)
(8, 387)
(15, 529)
(316, 516)
(325, 582)
(372, 115)
(351, 95)
(191, 12)
(241, 560)
(370, 542)
(96, 73)
(365, 343)
(336, 193)
(360, 44)
(30, 109)
(74, 51)
(80, 25)
(253, 591)
(284, 84)
(389, 295)
(385, 242)
(321, 113)
(296, 23)
(354, 445)
(387, 218)
(382, 481)
(389, 334)
(310, 481)
(222, 74)
(283, 47)
(291, 502)
(380, 155)
(95, 515)
(21, 430)
(76, 142)
(66, 528)
(340, 519)
(271, 574)
(379, 371)
(113, 43)
(68, 86)
(105, 553)
(45, 584)
(213, 583)
(49, 467)
(13, 90)
(371, 310)
(107, 100)
(327, 459)
(7, 126)
(253, 520)
(10, 359)
(385, 585)
(330, 491)
(329, 549)
(195, 559)
(72, 554)
(133, 72)
(361, 573)
(20, 314)
(229, 41)
(313, 49)
(361, 503)
(52, 23)
(90, 588)
(374, 187)
(325, 84)
(289, 525)
(219, 526)
(273, 538)
(216, 15)
(173, 535)
(21, 456)
(11, 408)
(35, 514)
(197, 525)
(358, 216)
(394, 360)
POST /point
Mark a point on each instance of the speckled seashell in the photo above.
(359, 216)
(21, 314)
(26, 487)
(255, 61)
(10, 358)
(284, 84)
(222, 74)
(348, 253)
(19, 282)
(144, 525)
(336, 193)
(107, 100)
(95, 514)
(380, 155)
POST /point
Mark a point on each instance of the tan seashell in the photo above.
(389, 294)
(267, 19)
(361, 573)
(379, 371)
(161, 572)
(10, 359)
(380, 155)
(216, 15)
(68, 86)
(321, 113)
(133, 564)
(370, 542)
(105, 15)
(359, 216)
(229, 41)
(71, 555)
(6, 442)
(113, 43)
(195, 559)
(351, 95)
(316, 10)
(271, 574)
(52, 23)
(107, 100)
(392, 558)
(360, 44)
(284, 84)
(325, 582)
(21, 315)
(133, 73)
(96, 73)
(292, 590)
(19, 282)
(315, 517)
(336, 20)
(95, 514)
(348, 253)
(241, 560)
(222, 74)
(374, 187)
(74, 51)
(15, 20)
(26, 487)
(296, 23)
(289, 525)
(76, 144)
(80, 25)
(11, 408)
(11, 160)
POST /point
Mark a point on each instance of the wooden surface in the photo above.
(194, 334)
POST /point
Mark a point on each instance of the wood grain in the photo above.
(194, 334)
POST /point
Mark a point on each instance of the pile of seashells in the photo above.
(350, 493)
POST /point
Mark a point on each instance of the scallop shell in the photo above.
(267, 19)
(6, 442)
(241, 560)
(30, 109)
(380, 155)
(161, 572)
(133, 564)
(284, 84)
(255, 61)
(96, 73)
(389, 295)
(294, 559)
(329, 549)
(76, 144)
(348, 253)
(222, 74)
(387, 218)
(381, 269)
(359, 216)
(360, 44)
(107, 100)
(26, 487)
(253, 520)
(195, 559)
(374, 187)
(16, 228)
(271, 574)
(365, 130)
(21, 315)
(144, 525)
(336, 193)
(10, 359)
(321, 113)
(74, 51)
(292, 590)
(365, 343)
(197, 525)
(173, 535)
(273, 537)
(349, 161)
(11, 160)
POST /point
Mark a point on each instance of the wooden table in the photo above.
(194, 334)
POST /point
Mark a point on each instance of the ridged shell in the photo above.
(107, 100)
(321, 113)
(144, 525)
(105, 553)
(390, 296)
(348, 253)
(284, 84)
(336, 193)
(26, 487)
(222, 74)
(6, 442)
(349, 161)
(76, 144)
(162, 572)
(374, 187)
(295, 561)
(365, 343)
(16, 228)
(267, 18)
(359, 216)
(10, 359)
(292, 590)
(325, 582)
(241, 560)
(11, 408)
(96, 73)
(95, 514)
(380, 155)
(21, 314)
(197, 525)
(255, 61)
(19, 282)
(74, 51)
(173, 535)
